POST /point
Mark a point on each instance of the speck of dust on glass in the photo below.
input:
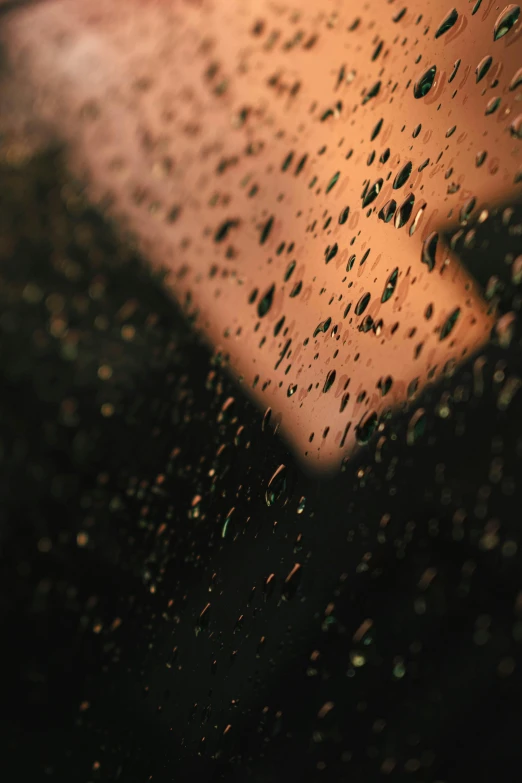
(261, 269)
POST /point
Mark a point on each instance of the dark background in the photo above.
(107, 558)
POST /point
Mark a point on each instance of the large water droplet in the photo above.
(423, 85)
(402, 176)
(387, 212)
(404, 212)
(505, 21)
(372, 193)
(447, 23)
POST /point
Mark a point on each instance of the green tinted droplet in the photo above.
(277, 486)
(267, 228)
(390, 286)
(343, 217)
(350, 263)
(296, 290)
(344, 401)
(480, 158)
(366, 428)
(331, 252)
(372, 193)
(447, 23)
(289, 270)
(323, 327)
(402, 176)
(330, 378)
(366, 324)
(404, 212)
(287, 161)
(265, 303)
(467, 209)
(516, 81)
(333, 181)
(449, 324)
(483, 67)
(505, 21)
(362, 304)
(372, 93)
(423, 85)
(387, 212)
(291, 390)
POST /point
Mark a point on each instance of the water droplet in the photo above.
(291, 390)
(289, 270)
(454, 71)
(376, 130)
(387, 212)
(449, 324)
(333, 181)
(330, 379)
(483, 67)
(390, 286)
(366, 428)
(385, 385)
(516, 81)
(429, 250)
(296, 290)
(447, 23)
(301, 505)
(402, 176)
(322, 327)
(292, 582)
(505, 21)
(516, 127)
(404, 212)
(492, 105)
(416, 427)
(372, 93)
(265, 303)
(267, 228)
(423, 85)
(372, 193)
(277, 487)
(343, 217)
(223, 230)
(331, 252)
(362, 304)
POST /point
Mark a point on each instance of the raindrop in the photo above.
(516, 127)
(454, 71)
(483, 67)
(343, 217)
(265, 303)
(331, 252)
(366, 428)
(289, 270)
(423, 85)
(296, 290)
(449, 324)
(387, 212)
(404, 212)
(322, 327)
(429, 250)
(267, 228)
(492, 105)
(447, 23)
(330, 379)
(362, 304)
(505, 21)
(372, 193)
(416, 427)
(376, 130)
(390, 286)
(333, 181)
(277, 487)
(402, 176)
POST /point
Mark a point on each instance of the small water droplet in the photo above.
(390, 286)
(330, 379)
(387, 212)
(483, 67)
(343, 217)
(372, 193)
(277, 487)
(429, 250)
(449, 324)
(265, 303)
(402, 176)
(403, 214)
